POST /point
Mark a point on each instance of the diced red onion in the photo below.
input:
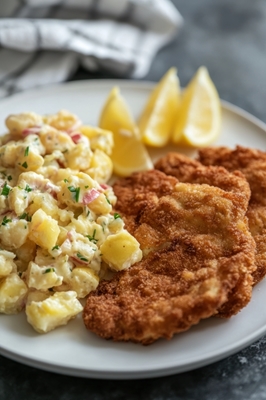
(70, 234)
(78, 260)
(51, 188)
(104, 186)
(34, 130)
(76, 137)
(91, 195)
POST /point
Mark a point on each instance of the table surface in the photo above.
(229, 37)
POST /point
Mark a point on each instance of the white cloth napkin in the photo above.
(44, 41)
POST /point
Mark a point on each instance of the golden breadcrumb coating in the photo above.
(196, 247)
(252, 163)
(189, 170)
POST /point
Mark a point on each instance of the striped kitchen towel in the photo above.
(44, 41)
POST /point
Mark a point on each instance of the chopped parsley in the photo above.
(6, 220)
(81, 257)
(25, 216)
(28, 188)
(49, 270)
(92, 238)
(88, 213)
(9, 178)
(116, 215)
(103, 226)
(65, 180)
(26, 152)
(55, 247)
(108, 201)
(25, 165)
(76, 192)
(6, 189)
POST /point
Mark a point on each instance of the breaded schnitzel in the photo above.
(252, 163)
(196, 245)
(138, 191)
(188, 170)
(192, 171)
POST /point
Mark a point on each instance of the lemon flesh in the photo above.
(129, 153)
(199, 120)
(157, 120)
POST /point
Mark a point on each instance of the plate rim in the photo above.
(136, 374)
(141, 84)
(147, 372)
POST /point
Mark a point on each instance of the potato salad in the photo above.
(58, 233)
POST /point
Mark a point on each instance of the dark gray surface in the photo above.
(229, 37)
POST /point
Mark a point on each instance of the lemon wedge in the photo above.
(157, 120)
(199, 120)
(129, 153)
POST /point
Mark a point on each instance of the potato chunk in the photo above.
(17, 123)
(63, 120)
(54, 311)
(53, 139)
(44, 230)
(14, 234)
(121, 250)
(83, 281)
(7, 264)
(13, 292)
(28, 158)
(101, 167)
(99, 138)
(101, 205)
(79, 158)
(42, 278)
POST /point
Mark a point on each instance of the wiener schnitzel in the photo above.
(196, 247)
(189, 170)
(138, 191)
(252, 163)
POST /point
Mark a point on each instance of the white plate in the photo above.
(74, 351)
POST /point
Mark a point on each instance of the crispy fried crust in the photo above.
(138, 191)
(252, 163)
(177, 165)
(196, 247)
(189, 170)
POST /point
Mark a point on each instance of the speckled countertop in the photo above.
(229, 37)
